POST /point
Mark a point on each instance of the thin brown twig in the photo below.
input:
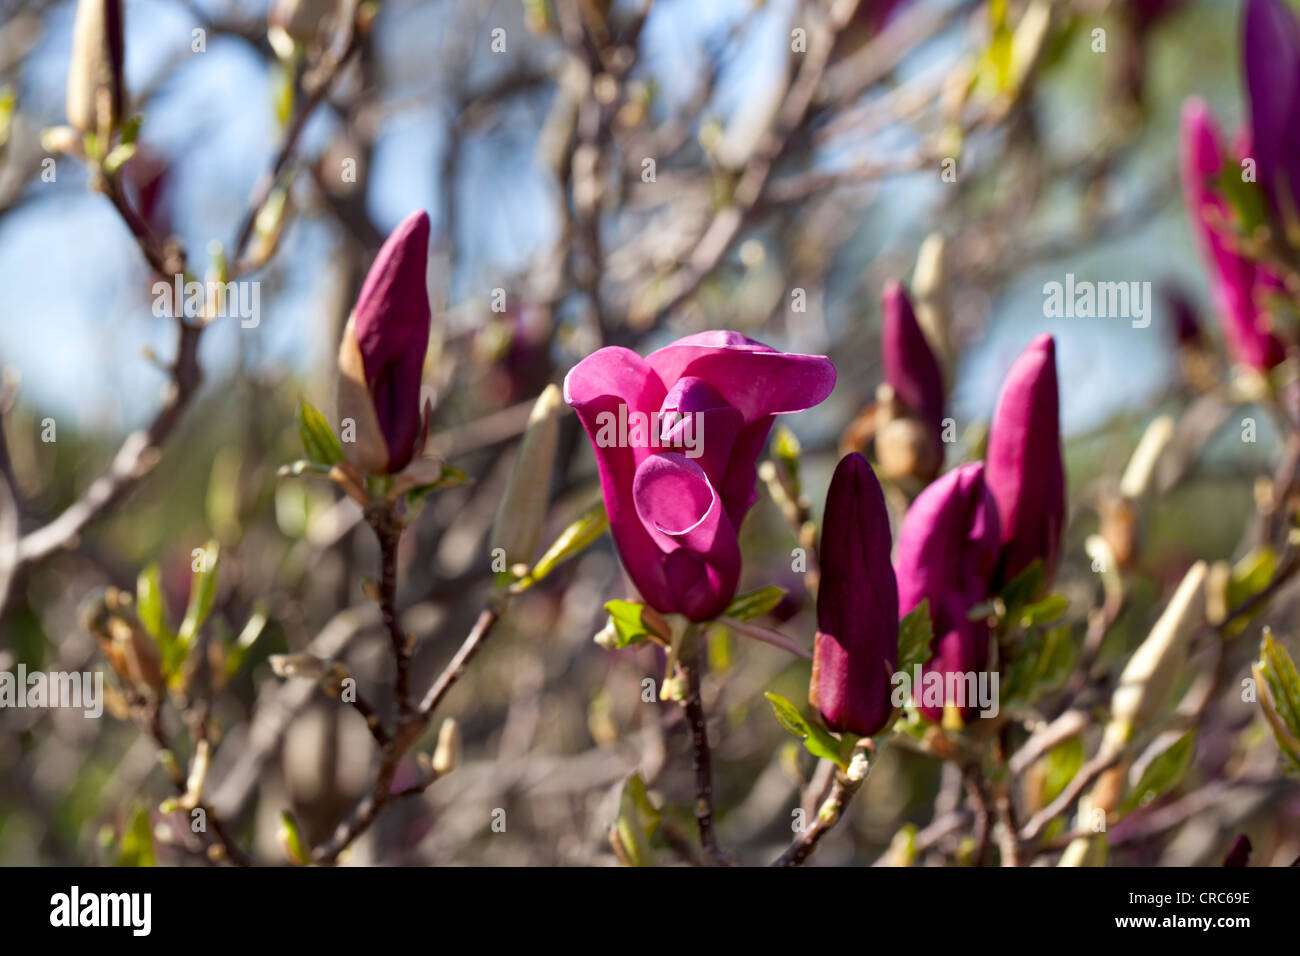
(479, 633)
(318, 87)
(693, 705)
(389, 532)
(843, 787)
(395, 747)
(134, 459)
(228, 849)
(724, 228)
(977, 792)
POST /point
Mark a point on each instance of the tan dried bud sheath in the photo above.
(1149, 676)
(447, 754)
(305, 20)
(1141, 469)
(1122, 515)
(298, 665)
(905, 449)
(518, 525)
(96, 93)
(367, 451)
(932, 299)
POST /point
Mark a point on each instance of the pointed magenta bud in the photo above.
(677, 437)
(856, 649)
(947, 553)
(381, 357)
(1239, 286)
(1239, 852)
(1183, 324)
(1270, 49)
(1146, 13)
(911, 369)
(1025, 473)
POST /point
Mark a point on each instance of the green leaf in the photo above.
(720, 645)
(1044, 662)
(786, 449)
(1246, 198)
(1283, 681)
(1164, 772)
(1062, 763)
(1022, 589)
(915, 633)
(149, 603)
(203, 589)
(1251, 575)
(150, 610)
(118, 157)
(131, 129)
(637, 821)
(818, 742)
(1279, 699)
(630, 626)
(449, 478)
(291, 839)
(8, 101)
(756, 603)
(589, 526)
(1045, 611)
(253, 629)
(282, 93)
(995, 62)
(136, 848)
(318, 438)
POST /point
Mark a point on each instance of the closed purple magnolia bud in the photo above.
(1183, 324)
(381, 356)
(856, 649)
(876, 14)
(1145, 13)
(1239, 852)
(910, 366)
(1271, 61)
(947, 552)
(1238, 284)
(1025, 473)
(677, 437)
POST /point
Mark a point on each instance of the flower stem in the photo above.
(690, 665)
(845, 784)
(389, 533)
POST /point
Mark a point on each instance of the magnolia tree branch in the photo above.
(478, 634)
(317, 85)
(389, 532)
(725, 227)
(139, 453)
(693, 706)
(395, 746)
(843, 787)
(221, 845)
(134, 459)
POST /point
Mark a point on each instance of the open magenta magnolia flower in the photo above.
(1025, 473)
(1239, 286)
(381, 357)
(677, 437)
(856, 649)
(1271, 62)
(947, 552)
(911, 369)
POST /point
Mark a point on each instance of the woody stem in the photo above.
(690, 665)
(389, 532)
